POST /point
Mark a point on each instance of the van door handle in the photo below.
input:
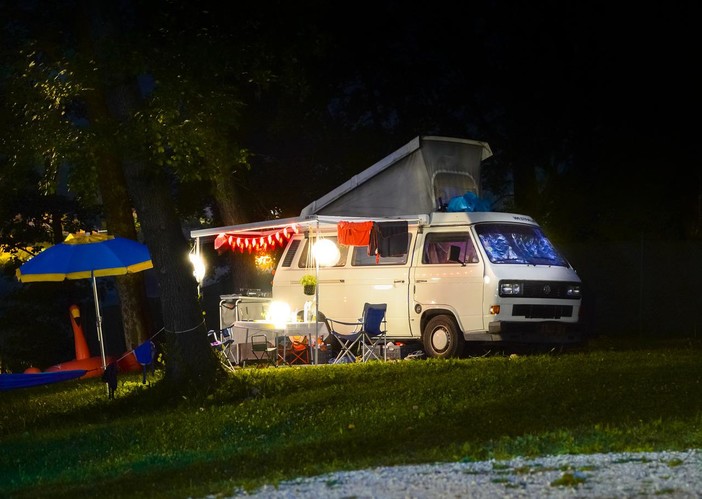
(399, 281)
(421, 280)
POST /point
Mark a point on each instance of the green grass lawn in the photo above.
(267, 425)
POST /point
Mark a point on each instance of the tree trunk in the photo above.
(231, 213)
(136, 319)
(190, 360)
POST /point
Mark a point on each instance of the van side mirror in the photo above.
(455, 255)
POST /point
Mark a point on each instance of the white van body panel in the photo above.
(449, 286)
(417, 290)
(342, 291)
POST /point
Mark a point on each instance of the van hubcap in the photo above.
(440, 340)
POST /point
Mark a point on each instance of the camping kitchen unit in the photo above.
(411, 232)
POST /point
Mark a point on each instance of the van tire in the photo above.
(442, 339)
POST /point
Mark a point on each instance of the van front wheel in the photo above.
(442, 339)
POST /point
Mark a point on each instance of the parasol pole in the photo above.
(98, 321)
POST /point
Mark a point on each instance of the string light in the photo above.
(264, 262)
(198, 263)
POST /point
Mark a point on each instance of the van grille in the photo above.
(546, 289)
(542, 311)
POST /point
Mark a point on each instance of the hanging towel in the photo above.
(373, 241)
(393, 238)
(354, 233)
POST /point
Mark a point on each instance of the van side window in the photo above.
(361, 258)
(437, 248)
(303, 262)
(287, 261)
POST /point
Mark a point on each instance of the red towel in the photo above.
(354, 233)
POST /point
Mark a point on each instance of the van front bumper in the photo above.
(535, 332)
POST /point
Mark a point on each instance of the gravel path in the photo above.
(620, 475)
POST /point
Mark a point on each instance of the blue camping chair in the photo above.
(365, 335)
(145, 355)
(374, 332)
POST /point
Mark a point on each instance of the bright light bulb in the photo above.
(326, 253)
(198, 266)
(278, 313)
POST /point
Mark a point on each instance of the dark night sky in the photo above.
(614, 86)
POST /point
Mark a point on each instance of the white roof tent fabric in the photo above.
(420, 177)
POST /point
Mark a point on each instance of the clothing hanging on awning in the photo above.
(389, 239)
(354, 233)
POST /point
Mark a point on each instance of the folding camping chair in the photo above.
(366, 333)
(222, 342)
(263, 350)
(375, 340)
(299, 351)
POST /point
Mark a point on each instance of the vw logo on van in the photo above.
(547, 289)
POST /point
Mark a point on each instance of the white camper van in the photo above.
(483, 277)
(450, 274)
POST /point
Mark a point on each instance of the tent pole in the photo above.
(316, 303)
(98, 320)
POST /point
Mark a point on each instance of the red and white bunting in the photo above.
(243, 242)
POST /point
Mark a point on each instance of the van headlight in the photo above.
(573, 291)
(511, 288)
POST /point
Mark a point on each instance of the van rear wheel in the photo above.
(442, 339)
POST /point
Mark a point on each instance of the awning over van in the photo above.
(292, 224)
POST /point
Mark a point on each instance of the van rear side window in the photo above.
(292, 249)
(361, 258)
(308, 262)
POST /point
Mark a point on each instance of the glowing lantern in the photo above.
(263, 262)
(198, 265)
(326, 253)
(278, 313)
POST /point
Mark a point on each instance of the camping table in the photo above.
(242, 331)
(233, 308)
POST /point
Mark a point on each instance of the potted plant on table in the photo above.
(309, 283)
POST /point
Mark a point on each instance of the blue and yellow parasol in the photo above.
(87, 255)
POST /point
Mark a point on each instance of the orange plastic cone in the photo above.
(82, 350)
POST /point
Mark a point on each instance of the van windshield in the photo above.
(517, 243)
